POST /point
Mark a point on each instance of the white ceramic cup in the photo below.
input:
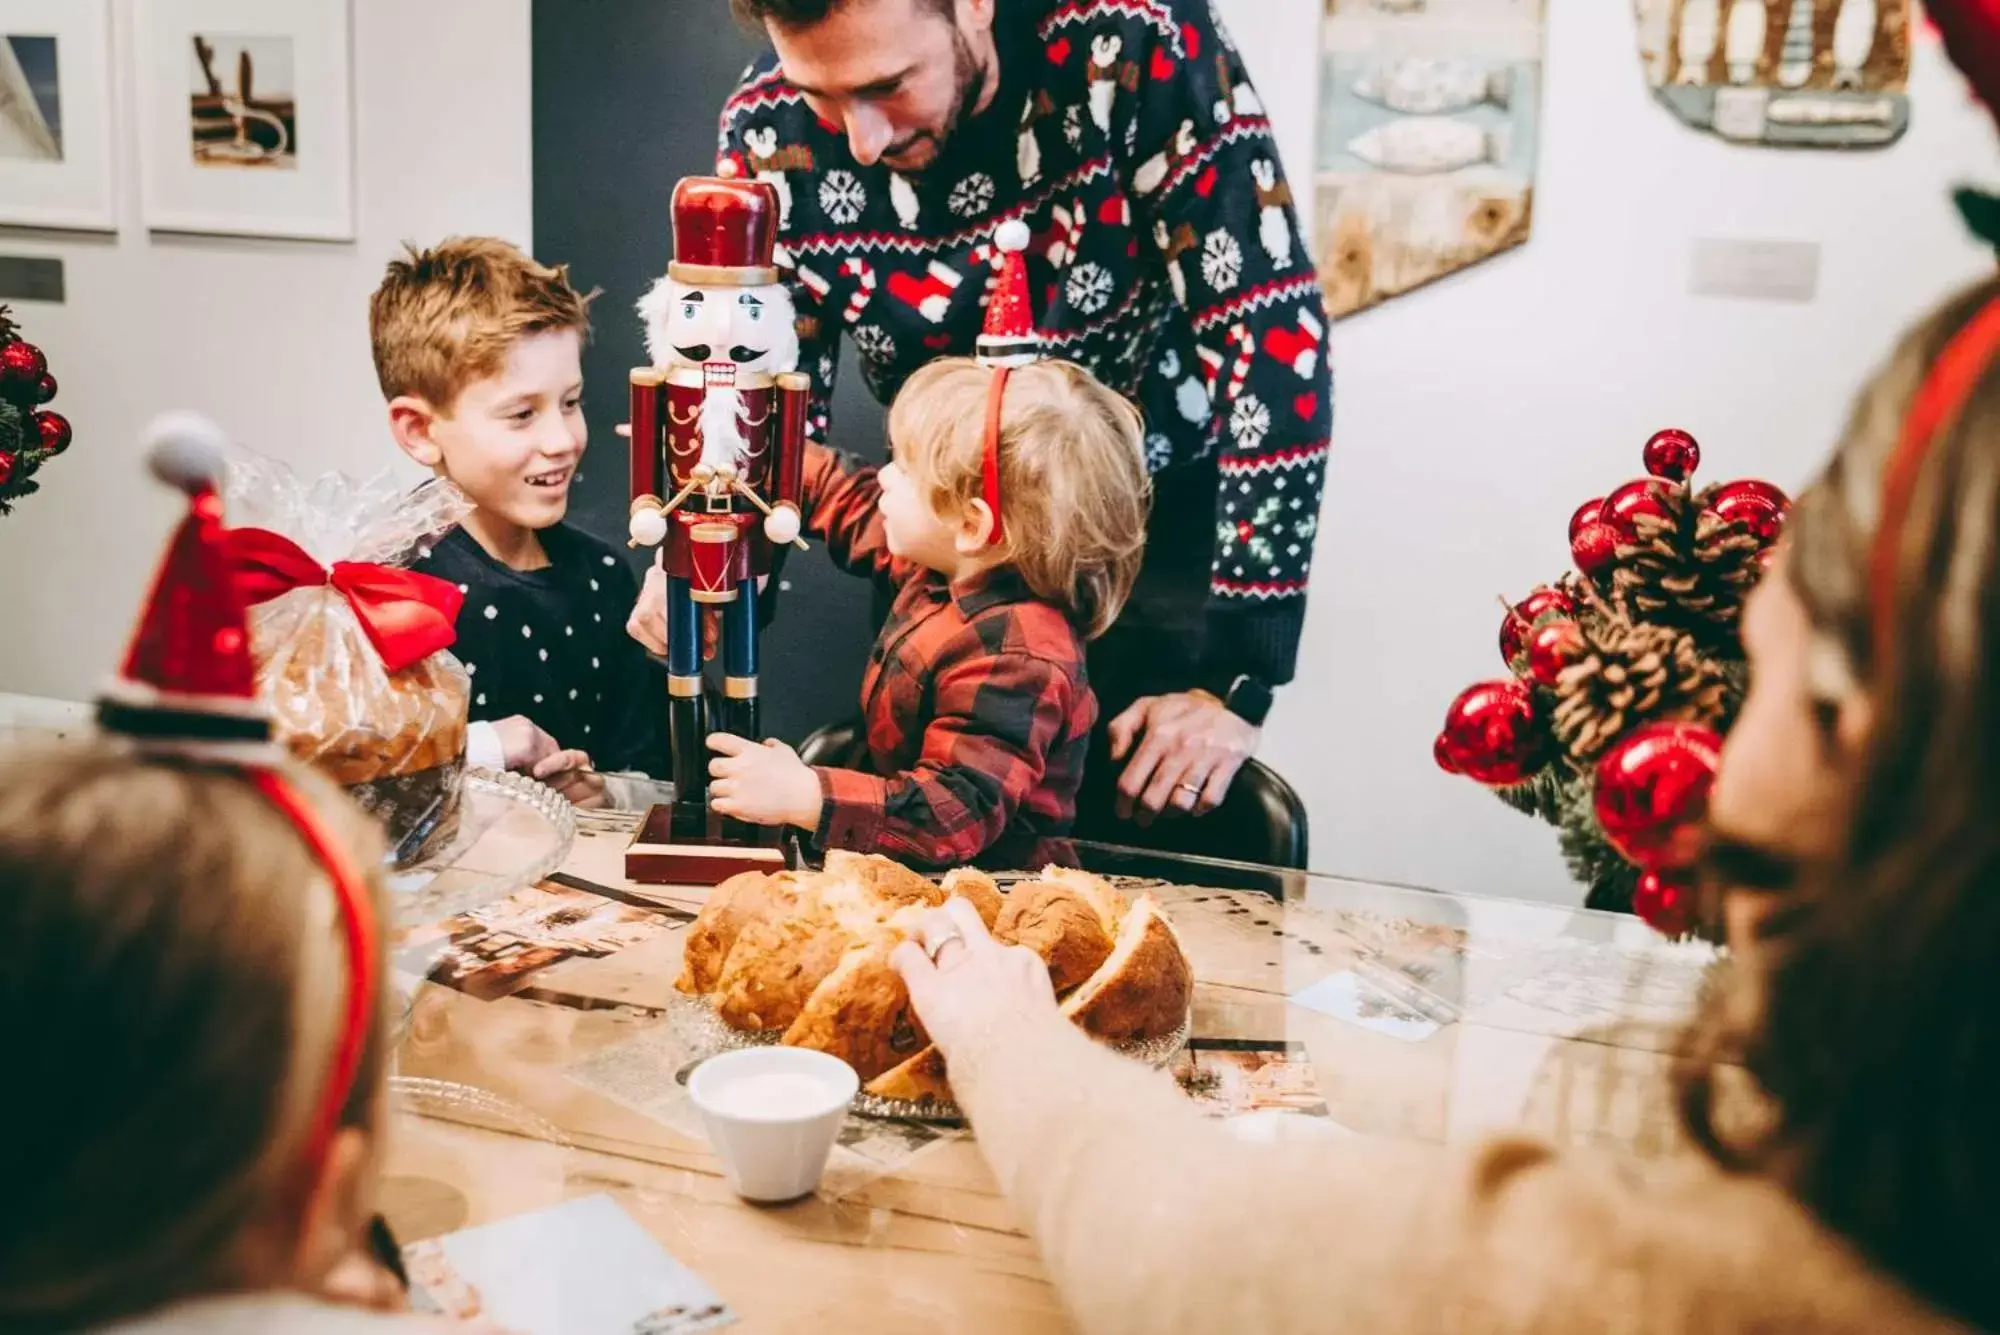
(772, 1115)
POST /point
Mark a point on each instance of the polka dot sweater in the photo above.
(551, 644)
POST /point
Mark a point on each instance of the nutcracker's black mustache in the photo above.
(698, 352)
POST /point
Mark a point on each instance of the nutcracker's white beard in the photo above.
(723, 446)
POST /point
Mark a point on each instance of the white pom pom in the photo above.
(1012, 235)
(781, 526)
(185, 450)
(648, 527)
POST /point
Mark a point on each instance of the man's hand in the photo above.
(570, 773)
(1189, 749)
(523, 744)
(764, 785)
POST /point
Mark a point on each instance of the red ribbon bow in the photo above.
(407, 616)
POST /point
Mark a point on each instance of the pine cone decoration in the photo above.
(1631, 673)
(1689, 569)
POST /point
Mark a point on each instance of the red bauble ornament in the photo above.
(1491, 734)
(1521, 619)
(1552, 648)
(22, 365)
(1652, 791)
(1758, 506)
(1586, 515)
(45, 388)
(1441, 752)
(1594, 549)
(6, 468)
(1665, 903)
(55, 432)
(1625, 505)
(1672, 455)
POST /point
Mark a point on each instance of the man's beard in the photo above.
(970, 78)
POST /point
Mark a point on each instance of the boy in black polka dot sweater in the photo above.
(478, 350)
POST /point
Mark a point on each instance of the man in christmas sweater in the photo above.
(1167, 258)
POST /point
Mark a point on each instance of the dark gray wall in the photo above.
(626, 96)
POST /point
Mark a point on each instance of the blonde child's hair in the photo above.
(172, 991)
(447, 317)
(1073, 484)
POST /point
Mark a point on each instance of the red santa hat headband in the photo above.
(1008, 340)
(188, 689)
(1940, 400)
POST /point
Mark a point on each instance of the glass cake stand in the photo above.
(512, 832)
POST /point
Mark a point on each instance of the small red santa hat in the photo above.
(1009, 338)
(189, 683)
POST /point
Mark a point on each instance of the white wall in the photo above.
(1474, 416)
(270, 338)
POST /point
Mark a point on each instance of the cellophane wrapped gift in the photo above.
(392, 733)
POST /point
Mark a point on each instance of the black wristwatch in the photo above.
(1250, 700)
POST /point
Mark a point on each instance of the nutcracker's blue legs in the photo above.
(739, 663)
(685, 717)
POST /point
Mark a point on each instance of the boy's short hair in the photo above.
(447, 317)
(1073, 485)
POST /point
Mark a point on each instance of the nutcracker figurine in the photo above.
(718, 452)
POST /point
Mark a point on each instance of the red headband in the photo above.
(990, 464)
(1942, 397)
(358, 929)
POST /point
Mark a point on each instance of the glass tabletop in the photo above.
(1376, 1009)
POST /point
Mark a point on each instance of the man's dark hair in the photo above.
(805, 13)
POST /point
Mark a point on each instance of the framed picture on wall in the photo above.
(56, 115)
(247, 117)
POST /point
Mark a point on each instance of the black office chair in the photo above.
(1261, 824)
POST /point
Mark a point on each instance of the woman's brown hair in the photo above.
(1073, 485)
(1870, 1017)
(172, 995)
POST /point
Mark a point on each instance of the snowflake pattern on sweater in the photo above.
(1166, 257)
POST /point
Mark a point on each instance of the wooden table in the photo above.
(542, 1089)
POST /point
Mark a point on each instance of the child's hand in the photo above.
(569, 773)
(764, 785)
(524, 745)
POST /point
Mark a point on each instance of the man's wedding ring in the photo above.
(1194, 788)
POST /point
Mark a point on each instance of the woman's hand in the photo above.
(963, 983)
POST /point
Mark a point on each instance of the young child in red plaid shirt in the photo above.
(1006, 560)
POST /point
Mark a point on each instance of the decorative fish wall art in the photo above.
(1428, 139)
(1788, 73)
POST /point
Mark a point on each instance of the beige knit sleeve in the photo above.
(1153, 1219)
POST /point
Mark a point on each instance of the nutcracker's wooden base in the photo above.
(666, 851)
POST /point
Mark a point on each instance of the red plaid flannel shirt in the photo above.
(977, 709)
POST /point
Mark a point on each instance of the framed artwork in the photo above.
(247, 121)
(1788, 73)
(56, 115)
(1429, 129)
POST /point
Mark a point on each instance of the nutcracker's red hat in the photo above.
(188, 692)
(1008, 340)
(725, 232)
